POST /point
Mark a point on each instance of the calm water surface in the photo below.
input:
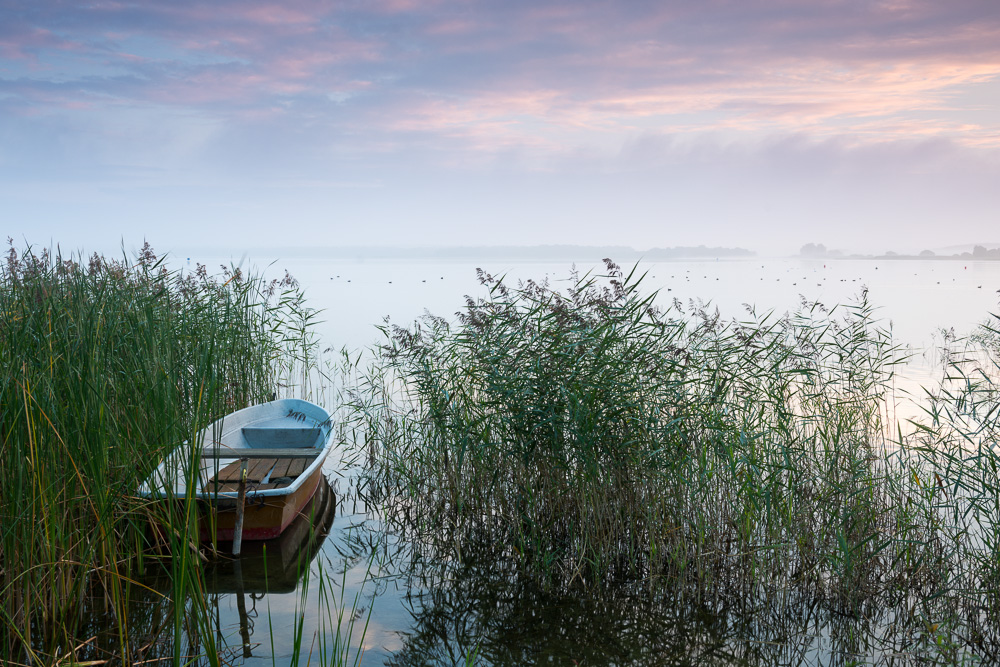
(408, 614)
(916, 297)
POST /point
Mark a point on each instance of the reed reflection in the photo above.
(228, 605)
(481, 611)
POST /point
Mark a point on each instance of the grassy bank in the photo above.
(104, 365)
(601, 444)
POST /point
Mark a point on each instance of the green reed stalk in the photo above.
(104, 367)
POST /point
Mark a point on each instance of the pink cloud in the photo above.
(24, 43)
(408, 6)
(547, 75)
(453, 26)
(822, 98)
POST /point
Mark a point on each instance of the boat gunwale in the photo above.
(166, 493)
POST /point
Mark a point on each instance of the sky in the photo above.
(766, 124)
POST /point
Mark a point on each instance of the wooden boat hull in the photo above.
(264, 566)
(264, 517)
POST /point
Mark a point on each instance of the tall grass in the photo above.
(959, 449)
(602, 444)
(104, 366)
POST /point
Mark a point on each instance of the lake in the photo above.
(405, 613)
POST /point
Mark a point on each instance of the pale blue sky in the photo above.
(248, 123)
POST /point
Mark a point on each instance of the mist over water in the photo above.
(916, 299)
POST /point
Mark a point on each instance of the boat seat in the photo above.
(281, 436)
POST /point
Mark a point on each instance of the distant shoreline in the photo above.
(618, 254)
(965, 257)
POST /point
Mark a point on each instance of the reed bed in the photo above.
(958, 444)
(602, 445)
(106, 365)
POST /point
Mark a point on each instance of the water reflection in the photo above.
(228, 609)
(479, 613)
(277, 565)
(480, 610)
(271, 566)
(370, 577)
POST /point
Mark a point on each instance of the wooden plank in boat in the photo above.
(296, 467)
(281, 468)
(228, 478)
(231, 473)
(256, 471)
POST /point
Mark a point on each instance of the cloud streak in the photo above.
(757, 62)
(349, 91)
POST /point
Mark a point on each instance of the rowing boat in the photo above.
(277, 449)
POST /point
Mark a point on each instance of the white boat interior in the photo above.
(284, 441)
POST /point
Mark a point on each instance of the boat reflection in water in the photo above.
(271, 566)
(274, 567)
(277, 564)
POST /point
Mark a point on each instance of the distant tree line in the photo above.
(536, 252)
(978, 252)
(813, 250)
(819, 250)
